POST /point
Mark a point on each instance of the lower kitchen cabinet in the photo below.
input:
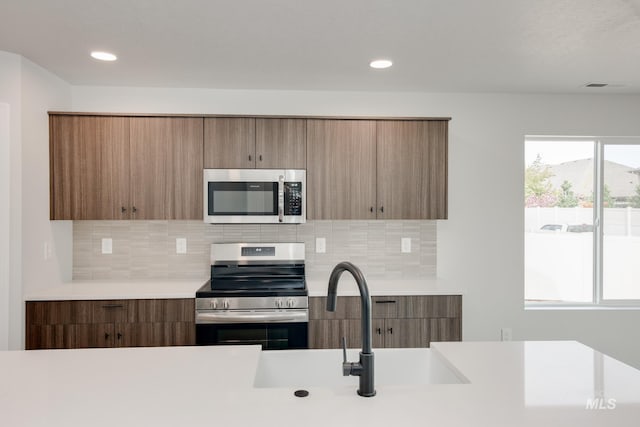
(398, 321)
(114, 323)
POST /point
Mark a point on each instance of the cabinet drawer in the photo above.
(430, 306)
(107, 311)
(385, 307)
(163, 310)
(346, 308)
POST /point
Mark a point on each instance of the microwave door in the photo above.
(249, 199)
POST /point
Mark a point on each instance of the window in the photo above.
(582, 221)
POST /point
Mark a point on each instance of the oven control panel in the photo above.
(252, 303)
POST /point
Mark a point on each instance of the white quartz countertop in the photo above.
(118, 289)
(317, 286)
(510, 384)
(186, 288)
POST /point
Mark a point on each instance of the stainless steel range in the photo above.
(257, 295)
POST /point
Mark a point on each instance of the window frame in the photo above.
(598, 301)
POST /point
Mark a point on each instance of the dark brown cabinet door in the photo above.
(281, 144)
(184, 163)
(95, 335)
(405, 333)
(89, 167)
(329, 333)
(166, 167)
(444, 329)
(341, 169)
(412, 169)
(51, 337)
(230, 143)
(149, 142)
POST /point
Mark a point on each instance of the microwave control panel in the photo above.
(293, 198)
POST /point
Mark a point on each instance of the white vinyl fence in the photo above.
(559, 265)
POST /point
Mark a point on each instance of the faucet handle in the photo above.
(346, 366)
(344, 350)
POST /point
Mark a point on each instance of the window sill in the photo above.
(635, 305)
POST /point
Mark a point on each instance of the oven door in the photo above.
(271, 336)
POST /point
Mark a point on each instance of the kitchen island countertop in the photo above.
(510, 384)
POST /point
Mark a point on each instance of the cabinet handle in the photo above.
(390, 330)
(382, 209)
(260, 157)
(106, 335)
(112, 305)
(386, 301)
(379, 331)
(371, 209)
(249, 157)
(119, 335)
(123, 209)
(134, 210)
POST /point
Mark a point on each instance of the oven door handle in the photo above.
(238, 316)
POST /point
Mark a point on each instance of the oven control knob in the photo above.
(214, 304)
(290, 302)
(225, 304)
(278, 303)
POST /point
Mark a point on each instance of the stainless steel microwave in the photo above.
(255, 196)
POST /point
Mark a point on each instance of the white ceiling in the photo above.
(436, 45)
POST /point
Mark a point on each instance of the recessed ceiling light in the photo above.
(104, 56)
(380, 63)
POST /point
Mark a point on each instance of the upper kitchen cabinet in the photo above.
(230, 143)
(281, 144)
(412, 169)
(89, 167)
(166, 167)
(384, 169)
(126, 167)
(341, 169)
(247, 143)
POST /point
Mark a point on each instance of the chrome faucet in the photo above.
(363, 368)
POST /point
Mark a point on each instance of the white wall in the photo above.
(29, 91)
(4, 225)
(41, 92)
(478, 248)
(10, 236)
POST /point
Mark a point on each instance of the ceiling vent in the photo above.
(596, 85)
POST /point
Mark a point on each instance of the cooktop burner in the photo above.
(257, 269)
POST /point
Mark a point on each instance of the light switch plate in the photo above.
(506, 334)
(181, 245)
(405, 245)
(107, 246)
(321, 245)
(47, 250)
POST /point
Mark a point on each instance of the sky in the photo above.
(555, 152)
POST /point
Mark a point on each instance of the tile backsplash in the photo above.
(147, 249)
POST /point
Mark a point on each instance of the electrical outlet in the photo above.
(506, 334)
(181, 245)
(321, 245)
(107, 246)
(405, 245)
